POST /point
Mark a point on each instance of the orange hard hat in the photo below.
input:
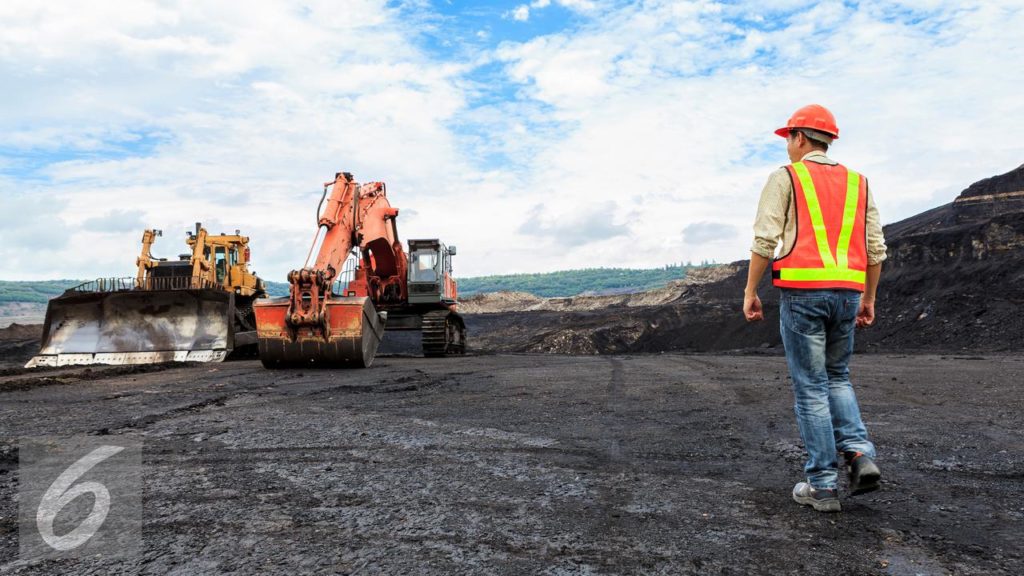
(813, 116)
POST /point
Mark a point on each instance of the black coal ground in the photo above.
(520, 464)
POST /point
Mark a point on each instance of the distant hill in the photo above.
(589, 281)
(277, 289)
(564, 283)
(34, 291)
(40, 291)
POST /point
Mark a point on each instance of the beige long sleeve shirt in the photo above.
(776, 216)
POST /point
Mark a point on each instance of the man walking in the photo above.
(828, 269)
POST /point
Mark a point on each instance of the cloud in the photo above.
(594, 224)
(670, 106)
(29, 226)
(581, 5)
(521, 13)
(708, 232)
(624, 122)
(116, 221)
(196, 112)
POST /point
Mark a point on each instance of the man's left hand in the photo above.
(866, 314)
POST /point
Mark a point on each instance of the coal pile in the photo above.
(954, 281)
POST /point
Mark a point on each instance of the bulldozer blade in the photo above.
(354, 331)
(137, 327)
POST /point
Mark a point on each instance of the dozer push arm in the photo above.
(200, 266)
(145, 259)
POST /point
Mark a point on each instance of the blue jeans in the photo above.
(817, 330)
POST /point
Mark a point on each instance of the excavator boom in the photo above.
(313, 326)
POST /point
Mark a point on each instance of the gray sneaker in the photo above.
(821, 499)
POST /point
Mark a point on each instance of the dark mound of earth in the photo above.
(18, 343)
(1005, 184)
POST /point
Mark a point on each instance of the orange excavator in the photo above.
(336, 317)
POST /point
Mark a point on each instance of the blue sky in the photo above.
(536, 136)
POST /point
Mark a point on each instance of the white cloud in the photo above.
(244, 113)
(637, 122)
(701, 233)
(594, 223)
(521, 13)
(670, 106)
(580, 5)
(116, 221)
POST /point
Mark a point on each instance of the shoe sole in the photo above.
(819, 505)
(868, 483)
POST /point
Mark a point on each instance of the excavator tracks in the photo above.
(444, 334)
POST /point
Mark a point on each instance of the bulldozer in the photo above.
(361, 284)
(194, 309)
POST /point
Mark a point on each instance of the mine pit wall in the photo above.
(979, 231)
(957, 282)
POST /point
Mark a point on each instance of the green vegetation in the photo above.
(38, 291)
(277, 289)
(574, 282)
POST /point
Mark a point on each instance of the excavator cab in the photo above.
(432, 300)
(430, 273)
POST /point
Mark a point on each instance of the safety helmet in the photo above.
(814, 117)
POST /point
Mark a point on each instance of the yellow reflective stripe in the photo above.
(849, 218)
(817, 220)
(822, 275)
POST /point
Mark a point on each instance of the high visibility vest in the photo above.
(830, 251)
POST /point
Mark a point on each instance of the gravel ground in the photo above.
(536, 464)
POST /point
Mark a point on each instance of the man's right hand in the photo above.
(866, 314)
(752, 308)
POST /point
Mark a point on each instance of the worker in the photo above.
(827, 271)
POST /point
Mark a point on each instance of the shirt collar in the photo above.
(818, 156)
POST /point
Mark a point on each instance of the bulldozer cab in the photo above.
(220, 265)
(430, 272)
(223, 259)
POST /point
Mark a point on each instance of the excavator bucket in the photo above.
(137, 327)
(353, 331)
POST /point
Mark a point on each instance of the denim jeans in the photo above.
(817, 330)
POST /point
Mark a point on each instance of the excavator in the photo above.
(194, 309)
(361, 283)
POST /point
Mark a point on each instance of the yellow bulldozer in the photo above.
(198, 308)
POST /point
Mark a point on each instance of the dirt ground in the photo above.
(536, 464)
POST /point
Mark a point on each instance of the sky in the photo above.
(534, 136)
